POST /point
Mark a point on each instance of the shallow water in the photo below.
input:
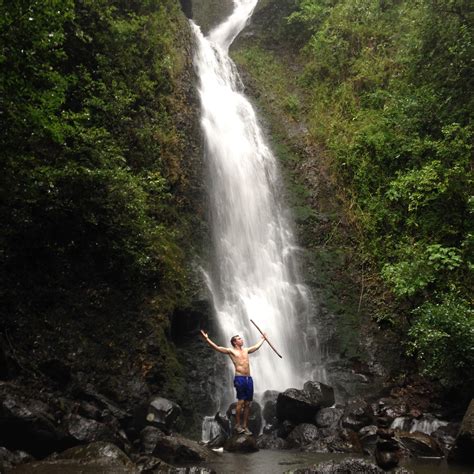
(277, 462)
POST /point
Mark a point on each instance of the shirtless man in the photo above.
(243, 382)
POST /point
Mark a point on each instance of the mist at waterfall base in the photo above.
(254, 273)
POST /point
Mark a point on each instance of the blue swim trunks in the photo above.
(244, 386)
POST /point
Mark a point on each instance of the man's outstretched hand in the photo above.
(204, 334)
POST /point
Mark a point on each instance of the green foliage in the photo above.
(389, 89)
(90, 148)
(442, 338)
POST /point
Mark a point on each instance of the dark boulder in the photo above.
(285, 428)
(446, 436)
(302, 435)
(269, 441)
(463, 449)
(269, 412)
(357, 414)
(8, 458)
(255, 417)
(241, 443)
(30, 425)
(162, 413)
(176, 449)
(319, 393)
(301, 406)
(387, 450)
(85, 431)
(419, 444)
(328, 417)
(368, 438)
(57, 371)
(347, 466)
(97, 457)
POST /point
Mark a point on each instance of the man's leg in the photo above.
(238, 413)
(246, 413)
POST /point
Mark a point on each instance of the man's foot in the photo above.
(239, 430)
(247, 432)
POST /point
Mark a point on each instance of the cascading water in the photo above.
(255, 275)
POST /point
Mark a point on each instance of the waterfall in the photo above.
(255, 274)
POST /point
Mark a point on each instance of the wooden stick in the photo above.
(269, 343)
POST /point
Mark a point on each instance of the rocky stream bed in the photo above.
(79, 429)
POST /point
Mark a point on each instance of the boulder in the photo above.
(285, 428)
(8, 458)
(268, 441)
(84, 431)
(30, 425)
(301, 406)
(255, 417)
(176, 449)
(162, 413)
(368, 438)
(357, 414)
(269, 412)
(463, 449)
(328, 417)
(303, 434)
(319, 393)
(419, 444)
(387, 450)
(347, 466)
(446, 436)
(241, 443)
(97, 457)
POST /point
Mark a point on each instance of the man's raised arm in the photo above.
(217, 348)
(256, 346)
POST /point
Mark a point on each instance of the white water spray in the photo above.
(255, 274)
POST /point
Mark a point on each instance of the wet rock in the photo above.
(224, 422)
(387, 450)
(327, 417)
(319, 393)
(84, 390)
(357, 414)
(149, 438)
(269, 441)
(301, 406)
(8, 459)
(84, 430)
(302, 435)
(218, 441)
(368, 438)
(269, 412)
(100, 457)
(176, 449)
(30, 425)
(241, 443)
(162, 413)
(151, 464)
(463, 449)
(446, 436)
(285, 428)
(347, 466)
(419, 444)
(255, 417)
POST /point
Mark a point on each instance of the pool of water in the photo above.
(278, 462)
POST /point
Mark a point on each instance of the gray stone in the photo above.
(302, 435)
(301, 406)
(347, 466)
(268, 441)
(241, 443)
(419, 444)
(463, 449)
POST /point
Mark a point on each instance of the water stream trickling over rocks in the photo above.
(255, 273)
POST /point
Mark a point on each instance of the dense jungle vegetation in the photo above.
(95, 127)
(387, 87)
